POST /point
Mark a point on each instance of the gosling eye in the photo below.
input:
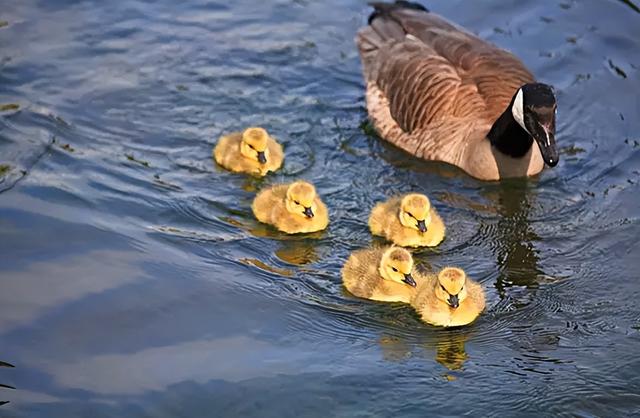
(251, 146)
(394, 269)
(411, 214)
(296, 202)
(443, 288)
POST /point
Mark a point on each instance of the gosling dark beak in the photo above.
(453, 301)
(308, 212)
(545, 136)
(261, 157)
(422, 226)
(408, 279)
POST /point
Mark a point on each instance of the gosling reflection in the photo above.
(260, 230)
(250, 184)
(394, 348)
(445, 346)
(450, 350)
(298, 253)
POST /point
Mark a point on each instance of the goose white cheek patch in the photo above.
(518, 112)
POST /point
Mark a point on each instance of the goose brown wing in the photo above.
(430, 69)
(423, 88)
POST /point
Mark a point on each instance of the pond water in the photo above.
(134, 281)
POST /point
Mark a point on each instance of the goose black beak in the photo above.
(308, 212)
(408, 279)
(261, 157)
(422, 226)
(546, 139)
(453, 301)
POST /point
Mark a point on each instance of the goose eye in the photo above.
(411, 214)
(251, 146)
(443, 288)
(296, 202)
(394, 269)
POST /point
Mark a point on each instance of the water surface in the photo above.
(135, 282)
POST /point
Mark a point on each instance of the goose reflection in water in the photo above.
(512, 237)
(521, 280)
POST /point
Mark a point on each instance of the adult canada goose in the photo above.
(441, 93)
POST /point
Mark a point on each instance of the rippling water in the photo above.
(135, 282)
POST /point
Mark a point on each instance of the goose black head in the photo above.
(534, 109)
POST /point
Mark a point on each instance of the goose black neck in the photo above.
(508, 136)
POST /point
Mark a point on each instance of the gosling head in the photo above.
(414, 212)
(254, 145)
(450, 286)
(396, 265)
(300, 199)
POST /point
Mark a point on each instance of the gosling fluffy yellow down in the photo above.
(292, 208)
(448, 299)
(382, 274)
(409, 221)
(252, 151)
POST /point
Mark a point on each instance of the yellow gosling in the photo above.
(292, 208)
(409, 221)
(252, 151)
(382, 274)
(448, 299)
